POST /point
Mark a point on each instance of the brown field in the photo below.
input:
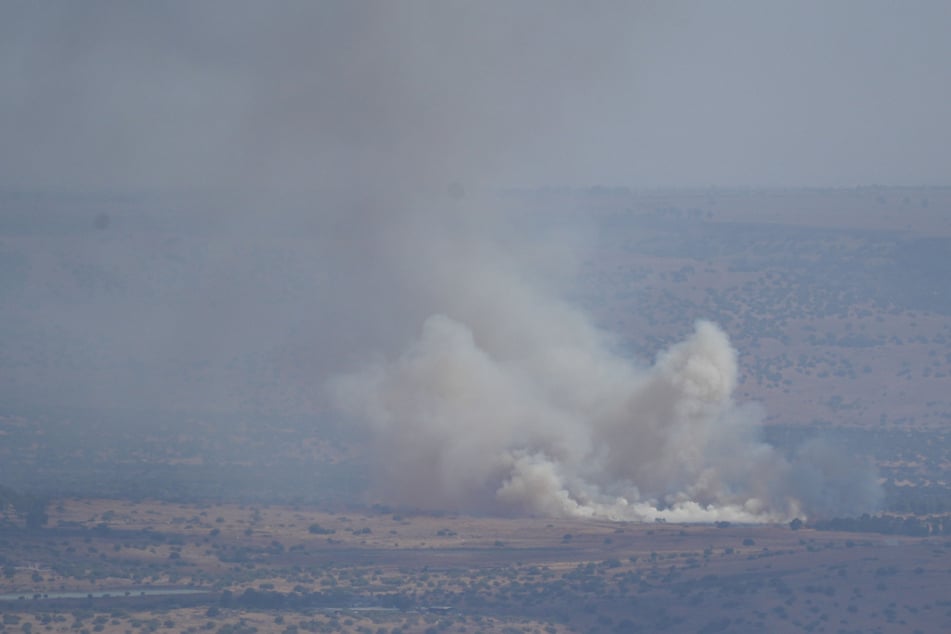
(803, 274)
(489, 574)
(810, 285)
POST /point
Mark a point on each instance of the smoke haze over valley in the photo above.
(320, 212)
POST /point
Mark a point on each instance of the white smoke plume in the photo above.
(315, 131)
(511, 402)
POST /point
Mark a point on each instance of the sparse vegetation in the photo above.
(860, 357)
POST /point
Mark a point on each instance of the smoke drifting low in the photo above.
(510, 401)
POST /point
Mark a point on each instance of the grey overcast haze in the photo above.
(212, 95)
(414, 316)
(302, 209)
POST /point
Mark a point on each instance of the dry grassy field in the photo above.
(835, 301)
(286, 569)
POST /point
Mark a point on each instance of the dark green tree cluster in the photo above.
(888, 525)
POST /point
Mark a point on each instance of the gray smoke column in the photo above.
(509, 401)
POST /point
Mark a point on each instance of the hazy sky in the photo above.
(122, 95)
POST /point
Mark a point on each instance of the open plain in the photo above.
(254, 510)
(287, 569)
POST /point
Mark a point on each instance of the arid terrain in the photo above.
(286, 569)
(834, 299)
(257, 502)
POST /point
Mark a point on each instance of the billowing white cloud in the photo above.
(559, 425)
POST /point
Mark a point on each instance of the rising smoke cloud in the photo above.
(510, 401)
(320, 133)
